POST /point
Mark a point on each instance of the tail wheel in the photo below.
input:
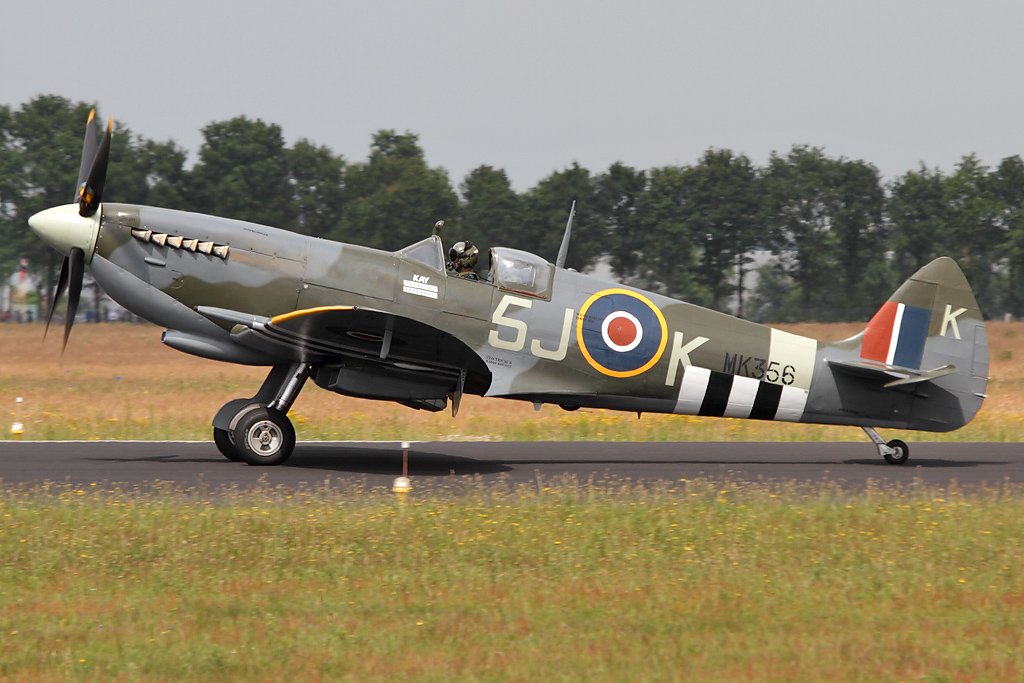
(901, 454)
(264, 436)
(226, 444)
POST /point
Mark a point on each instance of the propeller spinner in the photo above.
(72, 229)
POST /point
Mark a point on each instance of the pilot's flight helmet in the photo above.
(463, 255)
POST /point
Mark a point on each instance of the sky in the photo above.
(535, 86)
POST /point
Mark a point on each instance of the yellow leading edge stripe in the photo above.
(277, 319)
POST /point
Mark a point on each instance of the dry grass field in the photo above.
(118, 381)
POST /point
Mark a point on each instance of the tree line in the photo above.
(840, 239)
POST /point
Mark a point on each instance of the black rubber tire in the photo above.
(225, 438)
(900, 457)
(264, 437)
(226, 445)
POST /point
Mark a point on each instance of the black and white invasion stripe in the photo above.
(717, 394)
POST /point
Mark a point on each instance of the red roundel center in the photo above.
(622, 331)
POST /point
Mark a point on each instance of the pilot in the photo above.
(462, 257)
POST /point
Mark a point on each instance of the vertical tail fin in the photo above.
(932, 324)
(932, 319)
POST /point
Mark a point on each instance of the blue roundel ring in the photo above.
(621, 333)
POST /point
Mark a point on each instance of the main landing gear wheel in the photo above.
(225, 438)
(256, 430)
(264, 436)
(900, 454)
(226, 445)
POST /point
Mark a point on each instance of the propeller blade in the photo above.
(91, 194)
(89, 146)
(77, 272)
(62, 283)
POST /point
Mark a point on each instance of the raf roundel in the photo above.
(621, 333)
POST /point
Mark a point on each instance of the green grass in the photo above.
(553, 581)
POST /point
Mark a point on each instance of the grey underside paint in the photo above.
(149, 302)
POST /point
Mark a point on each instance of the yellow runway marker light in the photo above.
(17, 429)
(403, 484)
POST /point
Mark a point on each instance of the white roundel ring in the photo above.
(622, 331)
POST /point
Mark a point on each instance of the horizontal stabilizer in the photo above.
(893, 375)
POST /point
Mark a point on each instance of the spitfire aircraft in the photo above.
(401, 326)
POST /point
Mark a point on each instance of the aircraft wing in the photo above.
(345, 333)
(892, 375)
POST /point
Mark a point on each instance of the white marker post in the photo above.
(17, 429)
(402, 484)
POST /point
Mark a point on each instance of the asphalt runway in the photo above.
(199, 464)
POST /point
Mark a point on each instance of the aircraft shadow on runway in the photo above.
(378, 461)
(431, 464)
(373, 461)
(924, 462)
(437, 464)
(349, 460)
(168, 458)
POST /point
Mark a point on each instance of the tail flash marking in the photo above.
(894, 338)
(896, 335)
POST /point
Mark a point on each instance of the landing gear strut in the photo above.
(895, 452)
(257, 430)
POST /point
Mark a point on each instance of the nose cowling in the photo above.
(62, 227)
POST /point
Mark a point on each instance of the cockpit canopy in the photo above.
(521, 272)
(511, 269)
(427, 251)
